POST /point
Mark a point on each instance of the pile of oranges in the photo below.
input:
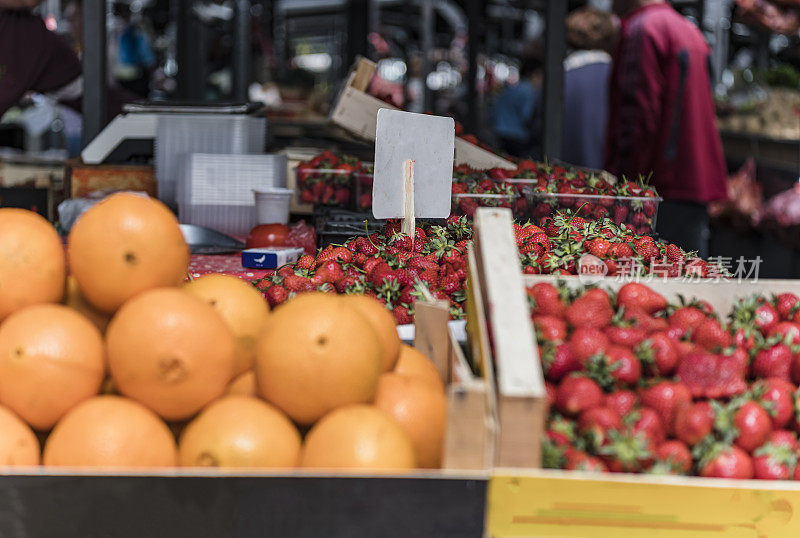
(108, 359)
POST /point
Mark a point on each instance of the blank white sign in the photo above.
(429, 142)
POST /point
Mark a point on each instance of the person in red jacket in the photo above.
(661, 117)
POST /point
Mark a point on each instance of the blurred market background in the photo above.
(447, 57)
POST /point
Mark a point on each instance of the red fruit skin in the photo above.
(636, 294)
(645, 321)
(564, 362)
(576, 393)
(548, 301)
(551, 327)
(778, 396)
(550, 393)
(708, 375)
(786, 304)
(766, 317)
(754, 425)
(694, 422)
(589, 311)
(783, 437)
(775, 361)
(733, 462)
(627, 368)
(577, 460)
(710, 335)
(650, 425)
(687, 317)
(621, 401)
(739, 361)
(773, 463)
(587, 341)
(677, 453)
(666, 397)
(665, 353)
(596, 422)
(787, 329)
(625, 336)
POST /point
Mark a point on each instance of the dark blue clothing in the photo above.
(513, 111)
(586, 108)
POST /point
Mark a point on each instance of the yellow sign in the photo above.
(558, 505)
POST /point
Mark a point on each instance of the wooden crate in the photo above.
(357, 112)
(503, 319)
(470, 435)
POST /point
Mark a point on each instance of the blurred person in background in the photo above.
(34, 59)
(514, 118)
(662, 117)
(591, 36)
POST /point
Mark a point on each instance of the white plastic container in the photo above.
(182, 134)
(272, 205)
(216, 191)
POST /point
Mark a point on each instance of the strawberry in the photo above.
(380, 273)
(676, 456)
(649, 424)
(766, 316)
(402, 315)
(752, 424)
(589, 311)
(636, 294)
(587, 341)
(577, 393)
(711, 376)
(330, 271)
(366, 246)
(547, 299)
(620, 251)
(598, 247)
(297, 284)
(687, 317)
(694, 422)
(577, 460)
(595, 423)
(697, 268)
(305, 263)
(625, 367)
(629, 337)
(341, 196)
(621, 401)
(351, 285)
(365, 200)
(789, 331)
(337, 253)
(666, 397)
(659, 353)
(675, 254)
(276, 295)
(645, 321)
(620, 214)
(558, 361)
(783, 437)
(626, 453)
(787, 305)
(286, 270)
(725, 461)
(401, 241)
(774, 462)
(451, 285)
(775, 394)
(648, 252)
(711, 335)
(773, 361)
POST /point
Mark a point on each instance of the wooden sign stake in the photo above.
(409, 224)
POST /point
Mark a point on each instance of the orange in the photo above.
(420, 409)
(170, 351)
(18, 443)
(316, 354)
(51, 359)
(240, 431)
(413, 363)
(243, 385)
(384, 324)
(358, 437)
(124, 245)
(110, 431)
(241, 306)
(32, 264)
(75, 300)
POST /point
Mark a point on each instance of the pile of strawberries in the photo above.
(640, 385)
(557, 243)
(331, 180)
(388, 265)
